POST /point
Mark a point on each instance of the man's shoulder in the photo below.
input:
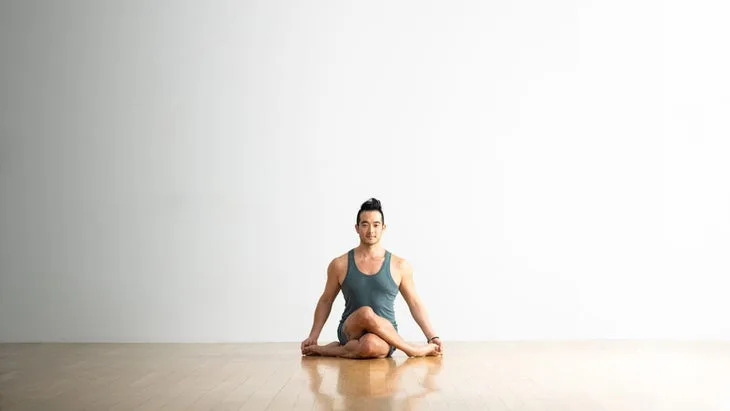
(340, 262)
(399, 262)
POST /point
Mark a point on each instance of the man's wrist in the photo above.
(432, 338)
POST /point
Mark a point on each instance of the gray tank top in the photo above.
(377, 291)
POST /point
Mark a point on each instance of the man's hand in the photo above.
(438, 342)
(308, 341)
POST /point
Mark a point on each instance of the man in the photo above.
(370, 278)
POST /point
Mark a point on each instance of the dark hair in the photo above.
(371, 205)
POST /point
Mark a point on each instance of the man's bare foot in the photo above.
(429, 349)
(315, 349)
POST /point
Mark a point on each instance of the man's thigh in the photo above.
(357, 324)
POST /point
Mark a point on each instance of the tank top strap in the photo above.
(386, 269)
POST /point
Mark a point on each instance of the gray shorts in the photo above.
(343, 338)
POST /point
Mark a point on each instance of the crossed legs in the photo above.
(369, 336)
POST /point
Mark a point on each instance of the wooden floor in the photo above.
(589, 375)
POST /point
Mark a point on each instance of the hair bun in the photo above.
(372, 202)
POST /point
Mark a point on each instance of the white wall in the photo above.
(177, 171)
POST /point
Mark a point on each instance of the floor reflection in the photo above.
(374, 384)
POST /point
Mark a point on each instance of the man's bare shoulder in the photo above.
(339, 263)
(400, 263)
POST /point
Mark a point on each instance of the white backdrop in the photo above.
(177, 171)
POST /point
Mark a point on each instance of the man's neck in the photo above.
(371, 250)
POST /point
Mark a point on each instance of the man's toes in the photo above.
(311, 350)
(434, 350)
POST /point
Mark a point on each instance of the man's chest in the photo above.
(372, 267)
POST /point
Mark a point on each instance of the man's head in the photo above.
(370, 222)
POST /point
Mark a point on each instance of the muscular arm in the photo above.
(415, 304)
(324, 305)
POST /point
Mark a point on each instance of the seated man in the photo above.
(370, 278)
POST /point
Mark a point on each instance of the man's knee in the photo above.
(372, 346)
(366, 315)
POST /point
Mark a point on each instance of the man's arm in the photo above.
(324, 305)
(418, 309)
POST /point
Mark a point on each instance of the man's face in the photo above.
(371, 227)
